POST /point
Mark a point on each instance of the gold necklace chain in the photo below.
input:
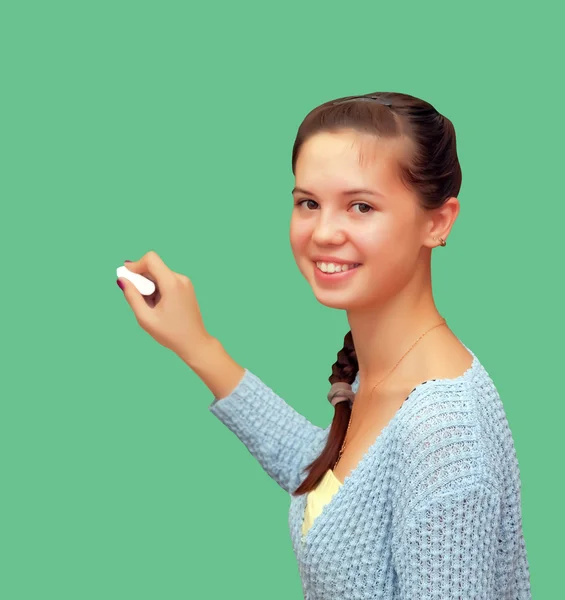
(349, 424)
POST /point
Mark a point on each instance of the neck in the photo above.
(383, 335)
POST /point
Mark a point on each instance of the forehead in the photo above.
(336, 160)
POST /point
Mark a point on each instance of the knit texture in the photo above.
(432, 510)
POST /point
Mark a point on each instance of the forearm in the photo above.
(216, 368)
(280, 438)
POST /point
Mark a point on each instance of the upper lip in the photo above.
(333, 259)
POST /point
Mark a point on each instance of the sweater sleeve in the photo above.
(282, 440)
(447, 547)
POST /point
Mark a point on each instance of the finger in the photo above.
(153, 299)
(136, 301)
(151, 265)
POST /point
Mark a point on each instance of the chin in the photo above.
(336, 305)
(339, 300)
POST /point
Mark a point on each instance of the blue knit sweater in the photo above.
(432, 511)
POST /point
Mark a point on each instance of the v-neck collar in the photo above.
(349, 481)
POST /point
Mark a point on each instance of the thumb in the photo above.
(134, 299)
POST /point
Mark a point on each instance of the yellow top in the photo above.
(318, 498)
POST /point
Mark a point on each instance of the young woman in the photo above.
(413, 491)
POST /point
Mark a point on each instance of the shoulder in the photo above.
(450, 434)
(442, 442)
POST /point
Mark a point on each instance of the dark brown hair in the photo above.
(428, 166)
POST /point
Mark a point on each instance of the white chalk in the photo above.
(145, 286)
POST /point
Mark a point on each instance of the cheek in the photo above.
(387, 236)
(387, 257)
(373, 244)
(299, 237)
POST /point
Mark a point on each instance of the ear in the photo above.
(441, 221)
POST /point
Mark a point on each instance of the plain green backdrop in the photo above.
(168, 126)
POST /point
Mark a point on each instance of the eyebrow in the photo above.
(343, 193)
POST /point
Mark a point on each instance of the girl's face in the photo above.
(382, 231)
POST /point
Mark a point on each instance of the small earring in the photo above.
(442, 241)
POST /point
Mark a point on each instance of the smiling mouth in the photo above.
(350, 267)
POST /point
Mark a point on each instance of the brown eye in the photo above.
(363, 204)
(300, 202)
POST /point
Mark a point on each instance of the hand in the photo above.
(171, 314)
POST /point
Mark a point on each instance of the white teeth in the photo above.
(333, 268)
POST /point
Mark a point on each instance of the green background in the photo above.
(168, 126)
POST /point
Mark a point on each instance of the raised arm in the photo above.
(281, 439)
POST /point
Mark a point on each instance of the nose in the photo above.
(328, 230)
